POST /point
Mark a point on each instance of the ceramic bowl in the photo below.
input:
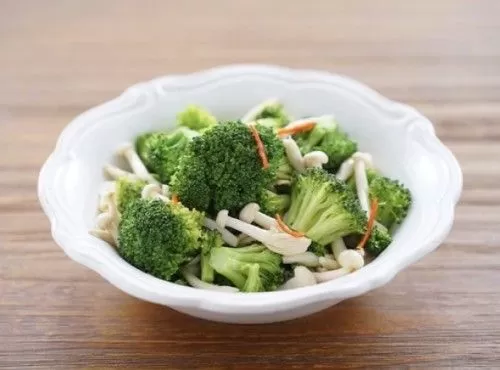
(403, 144)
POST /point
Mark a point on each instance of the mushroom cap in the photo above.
(249, 212)
(351, 259)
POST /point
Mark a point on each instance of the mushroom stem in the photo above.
(361, 184)
(276, 241)
(227, 236)
(250, 213)
(347, 258)
(308, 259)
(338, 246)
(293, 154)
(135, 162)
(328, 263)
(116, 172)
(200, 284)
(330, 275)
(346, 170)
(315, 159)
(302, 277)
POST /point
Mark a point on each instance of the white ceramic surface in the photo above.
(402, 141)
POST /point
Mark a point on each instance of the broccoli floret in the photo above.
(251, 269)
(189, 182)
(379, 240)
(323, 208)
(276, 112)
(196, 118)
(127, 191)
(212, 239)
(226, 167)
(327, 137)
(394, 199)
(161, 151)
(271, 203)
(318, 249)
(158, 238)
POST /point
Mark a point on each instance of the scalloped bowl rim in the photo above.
(147, 287)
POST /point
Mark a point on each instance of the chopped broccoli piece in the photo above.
(323, 208)
(394, 199)
(318, 249)
(211, 240)
(327, 137)
(161, 151)
(190, 182)
(271, 203)
(379, 240)
(158, 238)
(127, 191)
(223, 169)
(276, 112)
(251, 269)
(196, 118)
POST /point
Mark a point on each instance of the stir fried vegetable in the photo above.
(260, 203)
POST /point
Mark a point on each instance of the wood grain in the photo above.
(58, 58)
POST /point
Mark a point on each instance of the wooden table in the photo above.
(58, 58)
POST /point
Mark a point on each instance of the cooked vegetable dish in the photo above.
(263, 203)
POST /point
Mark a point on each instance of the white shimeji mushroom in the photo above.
(258, 109)
(346, 170)
(250, 214)
(349, 260)
(127, 150)
(278, 242)
(308, 259)
(302, 277)
(315, 159)
(228, 237)
(107, 222)
(328, 262)
(362, 161)
(155, 191)
(115, 173)
(106, 188)
(293, 154)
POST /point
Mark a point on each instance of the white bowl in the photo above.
(402, 141)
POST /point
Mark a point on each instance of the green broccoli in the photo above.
(378, 241)
(196, 118)
(158, 238)
(223, 169)
(394, 199)
(323, 208)
(271, 203)
(212, 239)
(189, 182)
(161, 151)
(127, 191)
(327, 137)
(275, 112)
(253, 268)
